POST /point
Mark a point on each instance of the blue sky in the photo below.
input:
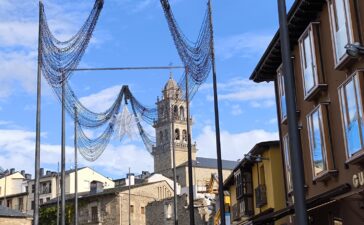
(134, 33)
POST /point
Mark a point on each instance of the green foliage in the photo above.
(48, 215)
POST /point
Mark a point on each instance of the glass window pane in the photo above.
(308, 65)
(317, 147)
(282, 95)
(352, 127)
(287, 163)
(341, 31)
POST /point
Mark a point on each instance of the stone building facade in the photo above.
(161, 212)
(111, 206)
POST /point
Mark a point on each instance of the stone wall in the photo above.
(162, 213)
(15, 221)
(113, 208)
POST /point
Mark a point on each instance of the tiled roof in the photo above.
(211, 163)
(7, 212)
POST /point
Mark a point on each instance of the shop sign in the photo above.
(358, 179)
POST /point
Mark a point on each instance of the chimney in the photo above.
(28, 176)
(132, 179)
(12, 170)
(48, 173)
(22, 173)
(41, 172)
(96, 187)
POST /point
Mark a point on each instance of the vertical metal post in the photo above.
(175, 216)
(129, 197)
(294, 138)
(57, 194)
(189, 147)
(217, 123)
(37, 123)
(6, 204)
(76, 169)
(63, 156)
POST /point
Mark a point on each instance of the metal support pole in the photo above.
(217, 123)
(129, 197)
(76, 169)
(37, 123)
(63, 158)
(175, 216)
(294, 138)
(57, 194)
(189, 147)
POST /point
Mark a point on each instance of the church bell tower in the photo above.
(171, 130)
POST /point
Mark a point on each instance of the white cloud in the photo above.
(273, 121)
(243, 45)
(233, 145)
(17, 150)
(242, 90)
(236, 110)
(19, 38)
(102, 100)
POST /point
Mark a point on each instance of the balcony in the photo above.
(235, 214)
(260, 196)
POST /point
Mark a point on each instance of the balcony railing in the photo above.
(261, 195)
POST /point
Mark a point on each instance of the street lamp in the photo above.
(354, 50)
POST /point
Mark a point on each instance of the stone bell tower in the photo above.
(171, 124)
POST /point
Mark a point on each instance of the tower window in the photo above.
(182, 113)
(175, 112)
(184, 135)
(161, 136)
(177, 134)
(166, 135)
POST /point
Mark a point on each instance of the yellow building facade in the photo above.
(256, 186)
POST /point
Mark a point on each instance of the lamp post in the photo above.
(354, 50)
(294, 138)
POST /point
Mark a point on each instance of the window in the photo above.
(32, 205)
(0, 191)
(175, 112)
(261, 175)
(287, 162)
(1, 202)
(309, 62)
(142, 210)
(177, 134)
(352, 115)
(184, 135)
(247, 185)
(41, 201)
(317, 141)
(161, 139)
(9, 203)
(282, 94)
(340, 27)
(182, 113)
(131, 208)
(168, 211)
(48, 199)
(20, 205)
(239, 185)
(94, 214)
(338, 221)
(45, 187)
(33, 188)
